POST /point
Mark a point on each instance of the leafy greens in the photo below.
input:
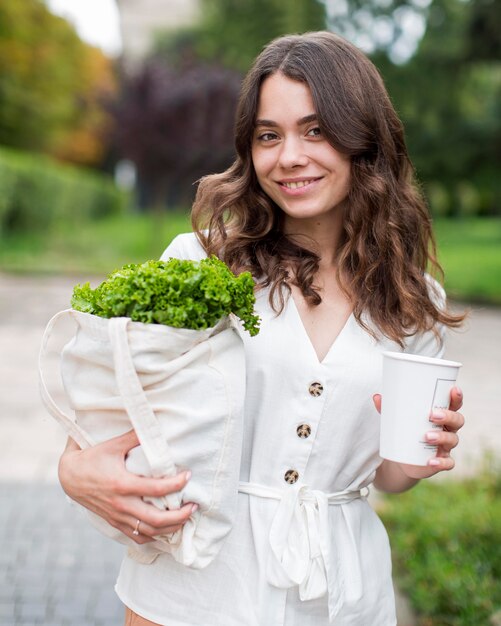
(178, 293)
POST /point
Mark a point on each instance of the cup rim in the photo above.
(417, 358)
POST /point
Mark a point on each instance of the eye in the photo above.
(267, 136)
(314, 132)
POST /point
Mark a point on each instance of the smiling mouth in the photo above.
(298, 184)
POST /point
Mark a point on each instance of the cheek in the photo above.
(347, 180)
(263, 163)
(344, 173)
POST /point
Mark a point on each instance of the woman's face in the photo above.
(295, 165)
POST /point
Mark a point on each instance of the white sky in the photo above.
(96, 21)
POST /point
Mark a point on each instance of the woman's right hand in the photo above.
(97, 479)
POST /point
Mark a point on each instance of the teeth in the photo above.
(296, 185)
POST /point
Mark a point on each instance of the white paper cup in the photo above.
(412, 387)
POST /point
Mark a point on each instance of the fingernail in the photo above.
(432, 436)
(434, 462)
(187, 476)
(438, 414)
(194, 508)
(459, 391)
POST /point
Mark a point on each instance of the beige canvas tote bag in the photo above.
(183, 393)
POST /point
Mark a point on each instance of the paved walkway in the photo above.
(55, 569)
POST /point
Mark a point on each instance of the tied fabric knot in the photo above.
(299, 542)
(305, 550)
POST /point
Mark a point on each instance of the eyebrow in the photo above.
(301, 122)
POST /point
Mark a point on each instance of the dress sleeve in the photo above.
(427, 344)
(186, 247)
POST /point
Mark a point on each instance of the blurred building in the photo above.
(139, 19)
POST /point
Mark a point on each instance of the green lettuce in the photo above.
(178, 293)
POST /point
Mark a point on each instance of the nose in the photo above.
(292, 153)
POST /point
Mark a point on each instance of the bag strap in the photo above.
(143, 419)
(83, 439)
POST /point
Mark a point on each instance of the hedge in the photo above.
(446, 543)
(36, 192)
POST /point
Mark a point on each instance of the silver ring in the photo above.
(136, 529)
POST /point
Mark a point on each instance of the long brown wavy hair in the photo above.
(387, 242)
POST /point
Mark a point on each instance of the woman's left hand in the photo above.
(446, 440)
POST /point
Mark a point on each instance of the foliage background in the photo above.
(446, 541)
(171, 118)
(172, 115)
(52, 85)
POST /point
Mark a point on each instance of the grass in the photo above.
(469, 249)
(97, 247)
(470, 253)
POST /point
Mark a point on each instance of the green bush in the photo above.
(439, 199)
(446, 541)
(36, 192)
(469, 199)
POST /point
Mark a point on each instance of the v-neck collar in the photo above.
(291, 307)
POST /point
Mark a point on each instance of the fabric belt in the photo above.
(305, 550)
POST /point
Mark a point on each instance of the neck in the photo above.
(321, 235)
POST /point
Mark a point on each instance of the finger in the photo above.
(125, 442)
(441, 463)
(121, 444)
(456, 401)
(444, 439)
(451, 420)
(376, 398)
(159, 525)
(130, 484)
(71, 445)
(145, 533)
(127, 530)
(156, 521)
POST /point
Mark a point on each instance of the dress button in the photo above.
(316, 389)
(291, 476)
(303, 431)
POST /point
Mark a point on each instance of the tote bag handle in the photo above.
(83, 439)
(141, 415)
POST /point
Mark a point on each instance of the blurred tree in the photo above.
(450, 102)
(390, 26)
(484, 30)
(233, 32)
(88, 138)
(177, 125)
(396, 26)
(48, 83)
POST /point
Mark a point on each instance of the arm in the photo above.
(97, 479)
(394, 477)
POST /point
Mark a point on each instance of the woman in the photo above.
(320, 206)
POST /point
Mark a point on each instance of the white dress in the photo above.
(305, 553)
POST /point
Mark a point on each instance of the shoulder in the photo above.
(430, 343)
(436, 292)
(185, 246)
